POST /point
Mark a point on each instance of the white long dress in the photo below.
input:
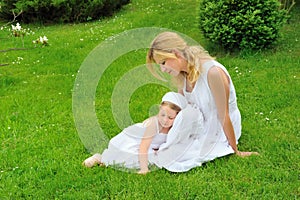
(215, 144)
(202, 141)
(123, 149)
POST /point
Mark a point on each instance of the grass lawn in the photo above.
(41, 150)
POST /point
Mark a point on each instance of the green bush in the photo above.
(58, 10)
(247, 24)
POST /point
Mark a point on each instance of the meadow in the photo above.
(41, 150)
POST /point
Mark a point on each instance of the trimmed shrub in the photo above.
(58, 10)
(247, 24)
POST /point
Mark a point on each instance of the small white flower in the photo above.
(18, 27)
(41, 39)
(45, 39)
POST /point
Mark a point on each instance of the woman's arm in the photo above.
(145, 144)
(219, 84)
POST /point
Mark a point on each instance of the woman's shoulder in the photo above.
(217, 73)
(207, 64)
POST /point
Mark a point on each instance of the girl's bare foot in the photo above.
(93, 160)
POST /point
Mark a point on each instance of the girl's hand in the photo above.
(143, 171)
(245, 153)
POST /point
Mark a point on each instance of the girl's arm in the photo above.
(219, 85)
(145, 144)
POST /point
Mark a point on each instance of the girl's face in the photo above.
(172, 66)
(166, 116)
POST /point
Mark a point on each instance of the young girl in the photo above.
(131, 148)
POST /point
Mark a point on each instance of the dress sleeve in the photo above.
(188, 123)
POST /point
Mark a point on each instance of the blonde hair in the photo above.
(165, 45)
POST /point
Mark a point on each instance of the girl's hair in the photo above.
(171, 105)
(166, 44)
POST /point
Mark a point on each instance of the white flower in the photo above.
(41, 39)
(45, 39)
(18, 27)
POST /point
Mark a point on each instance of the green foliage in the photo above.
(59, 10)
(249, 24)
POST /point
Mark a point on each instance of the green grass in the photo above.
(41, 152)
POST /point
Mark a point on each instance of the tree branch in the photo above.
(15, 17)
(13, 49)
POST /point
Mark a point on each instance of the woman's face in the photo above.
(166, 116)
(172, 66)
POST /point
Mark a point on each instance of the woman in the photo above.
(207, 86)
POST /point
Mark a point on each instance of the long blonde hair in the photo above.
(165, 44)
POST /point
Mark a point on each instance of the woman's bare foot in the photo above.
(245, 153)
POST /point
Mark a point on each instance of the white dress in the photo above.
(201, 141)
(123, 149)
(216, 144)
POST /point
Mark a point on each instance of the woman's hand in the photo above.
(245, 153)
(145, 171)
